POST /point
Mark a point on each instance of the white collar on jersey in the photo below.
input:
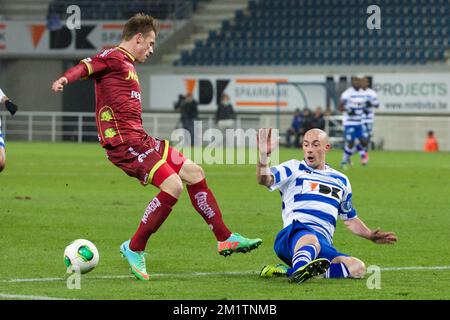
(327, 167)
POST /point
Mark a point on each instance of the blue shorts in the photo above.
(351, 133)
(287, 238)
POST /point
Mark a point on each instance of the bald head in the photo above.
(315, 147)
(317, 134)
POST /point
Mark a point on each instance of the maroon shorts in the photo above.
(149, 160)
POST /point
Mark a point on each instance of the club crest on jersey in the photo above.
(132, 75)
(347, 206)
(110, 133)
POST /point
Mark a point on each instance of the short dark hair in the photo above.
(140, 23)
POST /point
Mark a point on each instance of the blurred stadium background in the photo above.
(245, 48)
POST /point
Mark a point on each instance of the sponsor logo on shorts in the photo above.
(141, 156)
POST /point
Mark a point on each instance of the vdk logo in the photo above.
(207, 89)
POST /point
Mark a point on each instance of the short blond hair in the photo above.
(140, 23)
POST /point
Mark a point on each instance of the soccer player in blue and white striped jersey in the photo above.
(353, 102)
(367, 119)
(12, 108)
(313, 196)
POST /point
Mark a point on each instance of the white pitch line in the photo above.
(28, 297)
(202, 274)
(183, 275)
(416, 268)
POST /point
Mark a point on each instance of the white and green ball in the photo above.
(81, 256)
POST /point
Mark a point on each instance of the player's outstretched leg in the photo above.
(204, 202)
(136, 261)
(237, 243)
(270, 271)
(346, 267)
(156, 213)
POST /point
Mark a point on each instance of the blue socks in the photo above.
(303, 256)
(337, 270)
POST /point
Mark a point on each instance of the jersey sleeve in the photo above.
(346, 210)
(344, 97)
(282, 174)
(374, 99)
(96, 66)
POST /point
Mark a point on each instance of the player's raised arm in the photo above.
(86, 68)
(71, 75)
(59, 84)
(359, 228)
(265, 147)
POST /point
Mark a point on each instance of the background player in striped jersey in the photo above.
(129, 147)
(313, 196)
(12, 108)
(367, 119)
(352, 104)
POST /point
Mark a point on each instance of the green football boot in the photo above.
(312, 269)
(269, 271)
(136, 260)
(237, 243)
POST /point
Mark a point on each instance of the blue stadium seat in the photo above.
(321, 32)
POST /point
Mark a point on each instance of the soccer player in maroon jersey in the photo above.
(150, 160)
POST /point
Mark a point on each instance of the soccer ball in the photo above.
(81, 256)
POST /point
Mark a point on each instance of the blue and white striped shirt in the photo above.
(354, 103)
(314, 197)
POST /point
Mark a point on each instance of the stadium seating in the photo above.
(327, 32)
(122, 9)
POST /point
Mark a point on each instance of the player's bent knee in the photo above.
(172, 185)
(192, 172)
(198, 172)
(306, 240)
(357, 268)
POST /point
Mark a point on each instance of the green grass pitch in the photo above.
(51, 194)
